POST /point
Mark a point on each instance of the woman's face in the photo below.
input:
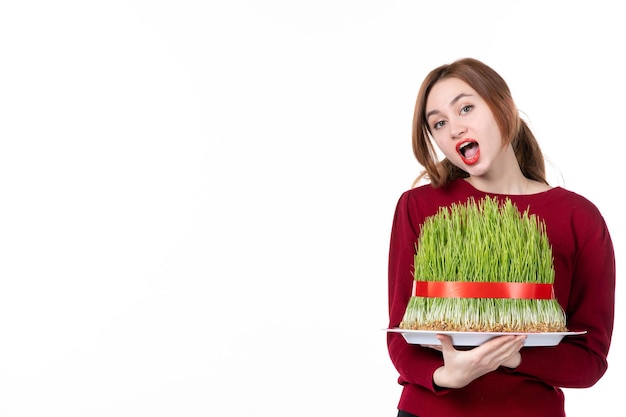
(463, 126)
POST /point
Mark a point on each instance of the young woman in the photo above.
(467, 110)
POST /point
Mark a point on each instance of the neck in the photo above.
(504, 176)
(513, 186)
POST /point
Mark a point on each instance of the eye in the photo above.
(439, 124)
(466, 109)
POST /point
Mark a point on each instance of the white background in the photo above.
(196, 196)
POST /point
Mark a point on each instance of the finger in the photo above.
(500, 347)
(446, 341)
(521, 339)
(500, 341)
(435, 347)
(515, 341)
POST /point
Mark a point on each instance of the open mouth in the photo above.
(469, 151)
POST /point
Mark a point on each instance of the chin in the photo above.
(475, 171)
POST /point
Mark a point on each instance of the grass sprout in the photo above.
(484, 241)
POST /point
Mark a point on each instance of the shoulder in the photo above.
(426, 200)
(453, 190)
(425, 195)
(568, 210)
(574, 201)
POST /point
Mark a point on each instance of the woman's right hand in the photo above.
(463, 366)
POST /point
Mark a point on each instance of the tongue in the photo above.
(470, 150)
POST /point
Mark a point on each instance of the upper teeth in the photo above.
(465, 144)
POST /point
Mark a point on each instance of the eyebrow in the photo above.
(454, 100)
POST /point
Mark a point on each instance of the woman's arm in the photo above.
(415, 364)
(580, 361)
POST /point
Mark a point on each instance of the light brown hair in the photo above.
(493, 89)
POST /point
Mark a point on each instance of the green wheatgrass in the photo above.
(484, 241)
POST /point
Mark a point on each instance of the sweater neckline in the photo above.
(476, 191)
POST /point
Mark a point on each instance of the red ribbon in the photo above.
(459, 289)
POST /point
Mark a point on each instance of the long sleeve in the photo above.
(585, 286)
(414, 363)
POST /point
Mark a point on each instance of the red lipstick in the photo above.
(468, 150)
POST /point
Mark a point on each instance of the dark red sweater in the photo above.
(584, 285)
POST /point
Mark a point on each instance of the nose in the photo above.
(457, 129)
